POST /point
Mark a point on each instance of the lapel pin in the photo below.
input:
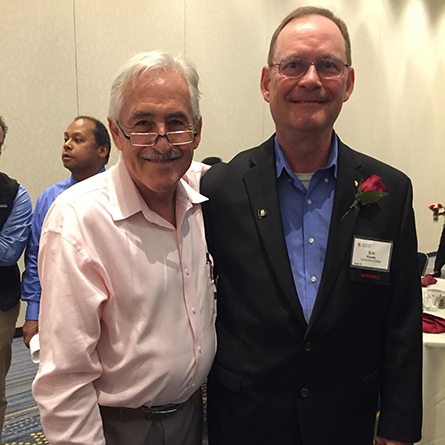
(262, 213)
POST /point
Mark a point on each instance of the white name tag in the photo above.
(371, 254)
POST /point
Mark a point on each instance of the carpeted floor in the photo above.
(22, 421)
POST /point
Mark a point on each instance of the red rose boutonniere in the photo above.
(436, 208)
(369, 191)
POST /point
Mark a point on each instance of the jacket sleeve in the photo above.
(401, 362)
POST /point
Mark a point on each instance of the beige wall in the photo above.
(58, 58)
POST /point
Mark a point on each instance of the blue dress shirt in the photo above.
(31, 289)
(15, 231)
(306, 215)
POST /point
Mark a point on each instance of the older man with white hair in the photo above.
(124, 255)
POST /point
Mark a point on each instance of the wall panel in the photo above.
(59, 57)
(37, 88)
(109, 32)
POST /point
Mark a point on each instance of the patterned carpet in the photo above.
(22, 421)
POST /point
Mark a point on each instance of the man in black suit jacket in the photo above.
(309, 345)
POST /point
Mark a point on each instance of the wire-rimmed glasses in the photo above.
(296, 67)
(181, 137)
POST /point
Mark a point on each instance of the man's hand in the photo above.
(30, 328)
(382, 441)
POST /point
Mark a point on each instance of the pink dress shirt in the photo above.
(126, 315)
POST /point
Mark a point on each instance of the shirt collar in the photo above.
(283, 165)
(126, 199)
(72, 180)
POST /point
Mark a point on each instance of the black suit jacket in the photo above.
(277, 379)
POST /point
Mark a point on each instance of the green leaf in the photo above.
(371, 197)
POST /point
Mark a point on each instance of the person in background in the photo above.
(15, 225)
(126, 322)
(85, 152)
(211, 160)
(319, 297)
(440, 255)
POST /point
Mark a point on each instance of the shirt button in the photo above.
(186, 271)
(326, 179)
(309, 201)
(199, 349)
(311, 240)
(313, 279)
(304, 392)
(193, 385)
(307, 346)
(193, 310)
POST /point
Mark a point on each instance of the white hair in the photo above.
(146, 61)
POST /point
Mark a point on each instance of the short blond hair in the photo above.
(305, 11)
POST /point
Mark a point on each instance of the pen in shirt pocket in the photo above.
(209, 261)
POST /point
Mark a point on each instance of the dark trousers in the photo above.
(183, 427)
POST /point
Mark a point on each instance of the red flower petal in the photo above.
(373, 183)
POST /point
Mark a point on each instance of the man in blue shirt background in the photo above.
(15, 225)
(85, 152)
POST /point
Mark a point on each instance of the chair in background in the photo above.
(423, 262)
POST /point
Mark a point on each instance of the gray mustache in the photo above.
(156, 156)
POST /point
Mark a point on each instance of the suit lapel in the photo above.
(341, 230)
(261, 185)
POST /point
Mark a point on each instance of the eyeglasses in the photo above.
(182, 137)
(296, 68)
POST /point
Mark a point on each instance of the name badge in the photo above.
(371, 254)
(371, 260)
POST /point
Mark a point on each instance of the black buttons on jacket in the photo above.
(304, 392)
